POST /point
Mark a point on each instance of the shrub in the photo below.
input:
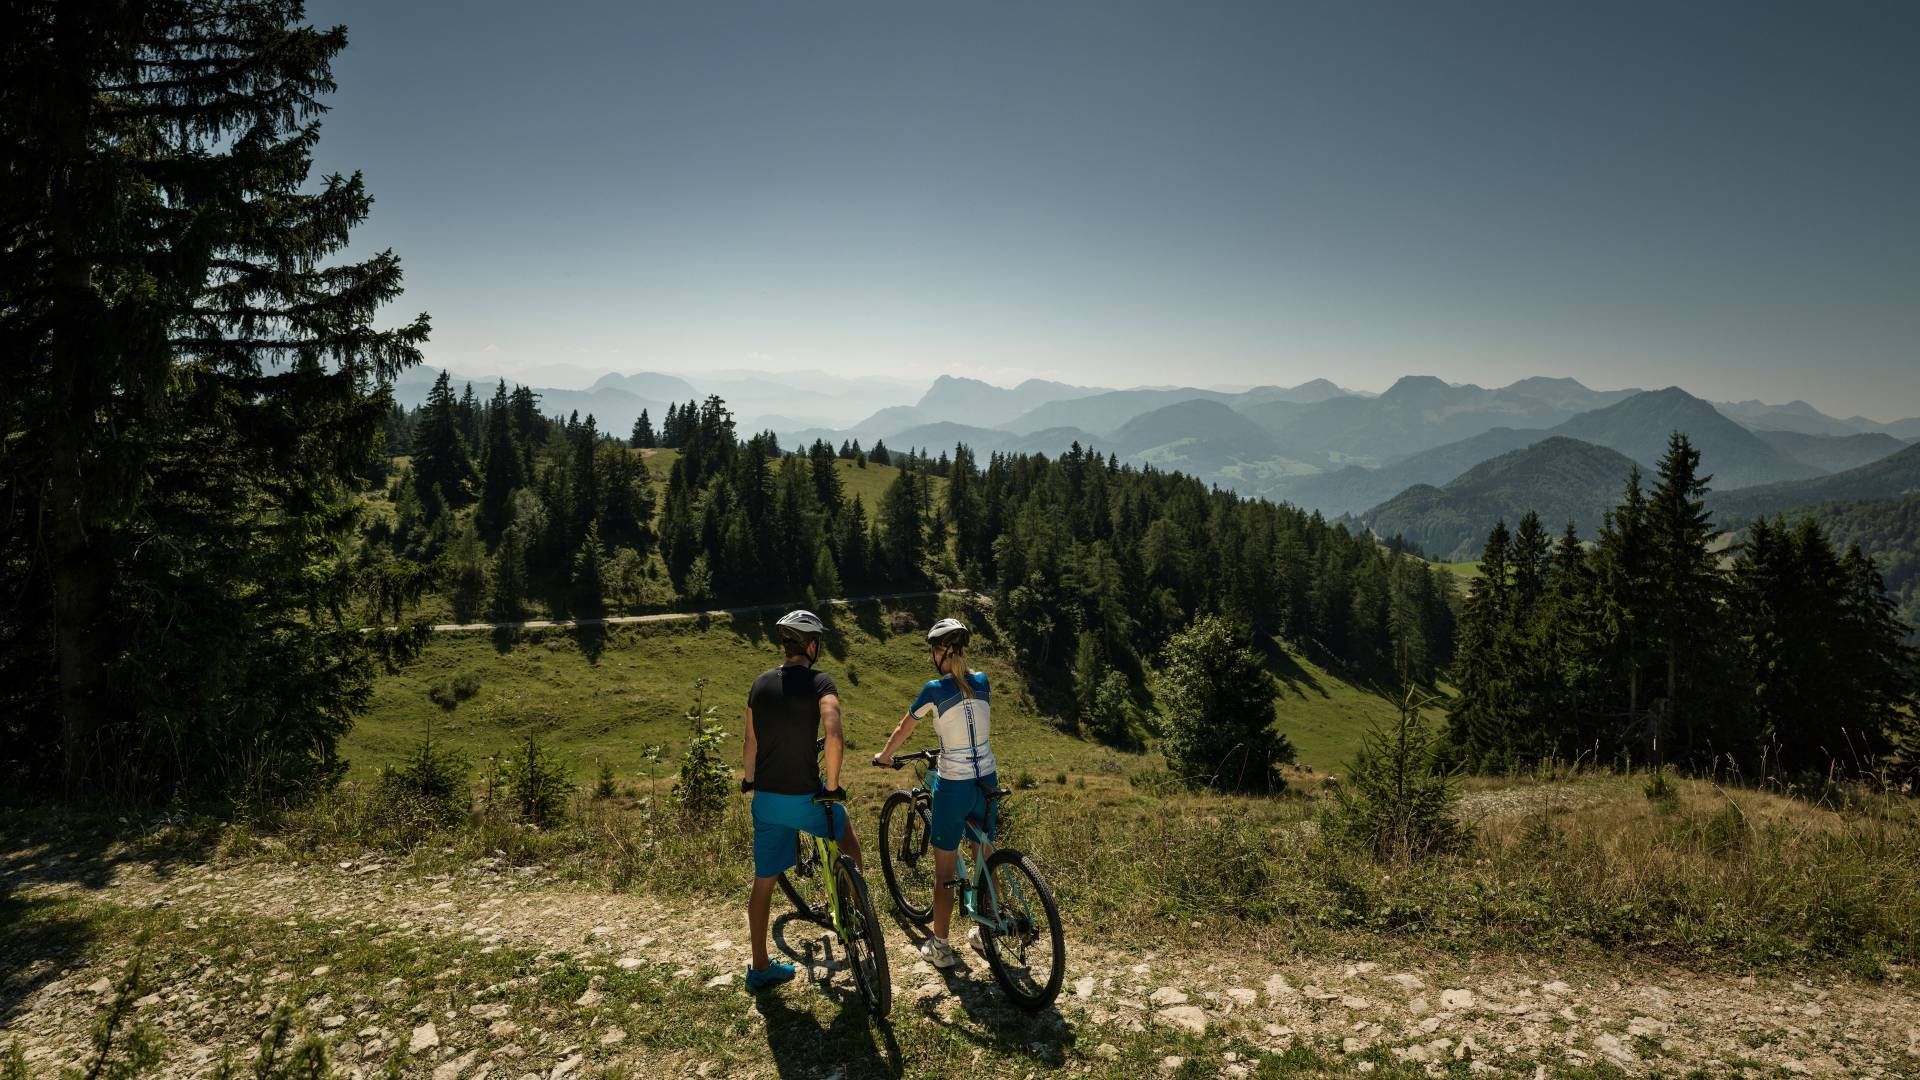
(1024, 781)
(535, 782)
(430, 784)
(603, 787)
(703, 785)
(1112, 717)
(1217, 711)
(1660, 790)
(1398, 800)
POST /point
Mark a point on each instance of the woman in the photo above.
(964, 776)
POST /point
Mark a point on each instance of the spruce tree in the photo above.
(903, 527)
(590, 575)
(469, 413)
(440, 459)
(643, 438)
(1684, 579)
(503, 468)
(507, 601)
(197, 388)
(827, 487)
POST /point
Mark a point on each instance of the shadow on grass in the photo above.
(1282, 665)
(36, 943)
(801, 1046)
(592, 641)
(36, 946)
(999, 1027)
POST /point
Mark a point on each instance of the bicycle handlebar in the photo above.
(902, 760)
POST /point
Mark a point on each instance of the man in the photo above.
(786, 710)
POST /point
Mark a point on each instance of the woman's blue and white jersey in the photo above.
(963, 724)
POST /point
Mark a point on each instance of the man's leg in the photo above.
(849, 843)
(757, 907)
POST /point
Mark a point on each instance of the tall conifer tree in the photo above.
(198, 388)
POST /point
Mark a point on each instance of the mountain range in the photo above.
(1406, 459)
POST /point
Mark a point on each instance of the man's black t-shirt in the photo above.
(786, 721)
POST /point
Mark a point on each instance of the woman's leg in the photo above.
(945, 869)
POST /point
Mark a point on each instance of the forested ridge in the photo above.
(1647, 647)
(1093, 565)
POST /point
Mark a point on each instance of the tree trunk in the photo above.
(82, 588)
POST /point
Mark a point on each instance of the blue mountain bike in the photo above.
(1004, 893)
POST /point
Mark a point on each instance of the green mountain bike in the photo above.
(838, 901)
(1005, 894)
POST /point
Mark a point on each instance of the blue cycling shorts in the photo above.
(778, 821)
(956, 802)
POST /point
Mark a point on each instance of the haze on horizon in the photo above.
(1723, 196)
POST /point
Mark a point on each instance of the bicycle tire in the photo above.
(1025, 992)
(805, 868)
(866, 943)
(904, 853)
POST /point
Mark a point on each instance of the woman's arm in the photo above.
(901, 733)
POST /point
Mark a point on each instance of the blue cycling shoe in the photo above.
(774, 975)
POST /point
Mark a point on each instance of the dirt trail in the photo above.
(1639, 1018)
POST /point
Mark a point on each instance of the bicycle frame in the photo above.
(973, 874)
(828, 853)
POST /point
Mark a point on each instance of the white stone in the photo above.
(719, 981)
(1084, 988)
(614, 1037)
(1172, 1063)
(628, 963)
(565, 1067)
(1242, 996)
(1279, 989)
(452, 1069)
(334, 1021)
(1646, 1025)
(1406, 982)
(425, 1037)
(1189, 1017)
(1613, 1049)
(589, 999)
(1556, 988)
(1168, 995)
(1456, 999)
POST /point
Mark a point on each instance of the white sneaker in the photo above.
(938, 953)
(974, 942)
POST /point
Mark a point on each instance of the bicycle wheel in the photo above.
(905, 859)
(1029, 959)
(804, 879)
(866, 943)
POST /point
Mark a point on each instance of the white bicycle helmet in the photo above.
(949, 632)
(801, 625)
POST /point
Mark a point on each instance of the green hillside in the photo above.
(1563, 479)
(609, 696)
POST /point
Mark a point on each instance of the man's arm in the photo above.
(748, 747)
(836, 743)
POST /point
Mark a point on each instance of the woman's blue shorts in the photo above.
(954, 803)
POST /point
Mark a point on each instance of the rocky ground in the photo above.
(474, 973)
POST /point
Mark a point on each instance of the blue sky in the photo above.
(1726, 196)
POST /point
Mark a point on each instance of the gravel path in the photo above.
(1638, 1017)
